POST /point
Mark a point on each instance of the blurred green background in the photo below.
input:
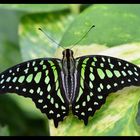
(116, 33)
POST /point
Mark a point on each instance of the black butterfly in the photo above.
(56, 85)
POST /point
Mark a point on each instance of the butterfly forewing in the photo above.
(39, 79)
(97, 77)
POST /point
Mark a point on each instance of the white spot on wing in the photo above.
(24, 89)
(10, 71)
(103, 59)
(136, 74)
(13, 73)
(8, 79)
(41, 93)
(51, 112)
(2, 76)
(28, 64)
(95, 103)
(17, 69)
(40, 100)
(33, 63)
(3, 87)
(17, 88)
(2, 81)
(83, 113)
(135, 68)
(89, 109)
(45, 106)
(119, 63)
(58, 115)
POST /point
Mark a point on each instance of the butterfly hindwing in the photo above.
(39, 79)
(97, 77)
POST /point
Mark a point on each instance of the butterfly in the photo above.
(81, 84)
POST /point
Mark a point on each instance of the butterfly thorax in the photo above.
(69, 74)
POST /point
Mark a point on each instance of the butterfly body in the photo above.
(69, 74)
(82, 84)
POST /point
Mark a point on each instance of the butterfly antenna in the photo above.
(51, 38)
(83, 36)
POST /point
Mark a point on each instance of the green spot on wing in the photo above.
(83, 73)
(91, 76)
(109, 73)
(21, 79)
(14, 79)
(124, 74)
(56, 85)
(46, 72)
(95, 59)
(91, 69)
(80, 93)
(60, 96)
(117, 73)
(48, 88)
(88, 98)
(82, 82)
(41, 63)
(93, 64)
(49, 97)
(51, 63)
(56, 105)
(90, 85)
(47, 79)
(8, 79)
(38, 77)
(29, 78)
(101, 73)
(52, 100)
(85, 61)
(55, 74)
(35, 68)
(44, 67)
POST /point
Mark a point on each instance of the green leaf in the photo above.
(9, 32)
(118, 115)
(9, 39)
(8, 51)
(114, 25)
(4, 131)
(33, 42)
(34, 7)
(18, 121)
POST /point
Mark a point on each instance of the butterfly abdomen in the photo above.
(68, 64)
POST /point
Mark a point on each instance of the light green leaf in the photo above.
(4, 131)
(33, 42)
(34, 7)
(114, 25)
(19, 121)
(9, 39)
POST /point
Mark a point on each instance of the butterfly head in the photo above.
(67, 53)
